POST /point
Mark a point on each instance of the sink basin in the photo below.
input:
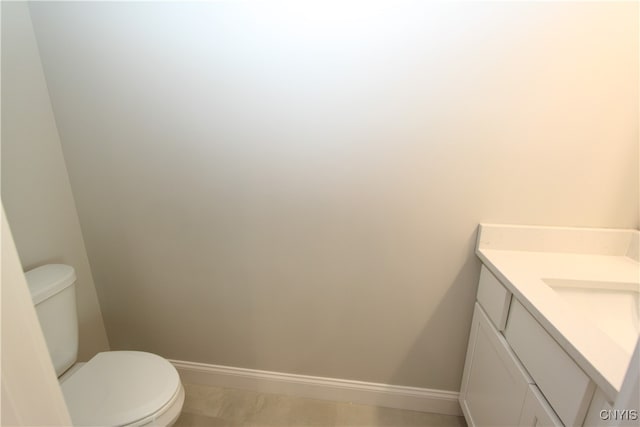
(612, 306)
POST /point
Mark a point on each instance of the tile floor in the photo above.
(212, 406)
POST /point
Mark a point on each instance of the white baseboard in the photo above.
(391, 396)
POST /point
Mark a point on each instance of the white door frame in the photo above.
(30, 393)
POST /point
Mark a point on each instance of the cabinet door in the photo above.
(494, 384)
(536, 411)
(598, 411)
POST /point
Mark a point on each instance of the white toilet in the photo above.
(114, 388)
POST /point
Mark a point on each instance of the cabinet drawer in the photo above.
(494, 298)
(567, 388)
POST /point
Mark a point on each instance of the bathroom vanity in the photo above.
(555, 324)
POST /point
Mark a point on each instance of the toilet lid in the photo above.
(116, 388)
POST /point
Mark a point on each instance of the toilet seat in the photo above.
(119, 388)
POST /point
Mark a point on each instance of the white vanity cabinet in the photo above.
(514, 368)
(554, 320)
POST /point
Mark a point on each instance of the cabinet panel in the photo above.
(567, 388)
(494, 383)
(595, 416)
(494, 298)
(536, 411)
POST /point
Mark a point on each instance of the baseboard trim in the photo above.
(391, 396)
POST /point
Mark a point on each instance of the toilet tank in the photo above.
(52, 290)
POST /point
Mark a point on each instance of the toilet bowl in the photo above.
(123, 388)
(114, 388)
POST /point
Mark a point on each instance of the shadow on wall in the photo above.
(458, 299)
(45, 261)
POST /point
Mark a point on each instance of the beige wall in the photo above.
(298, 189)
(35, 186)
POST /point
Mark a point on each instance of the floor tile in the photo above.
(215, 406)
(188, 419)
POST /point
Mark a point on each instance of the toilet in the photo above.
(114, 388)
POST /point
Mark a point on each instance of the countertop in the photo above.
(521, 257)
